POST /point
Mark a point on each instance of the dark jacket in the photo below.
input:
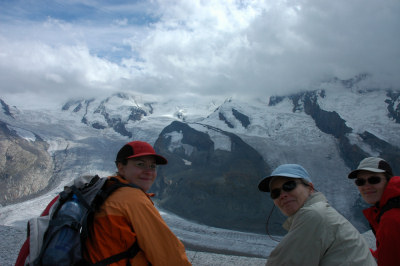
(387, 230)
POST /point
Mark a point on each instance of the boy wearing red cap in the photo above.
(128, 216)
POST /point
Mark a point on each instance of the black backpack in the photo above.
(91, 192)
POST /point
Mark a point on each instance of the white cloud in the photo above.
(220, 48)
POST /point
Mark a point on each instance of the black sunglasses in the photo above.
(287, 186)
(373, 180)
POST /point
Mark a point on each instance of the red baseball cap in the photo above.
(135, 149)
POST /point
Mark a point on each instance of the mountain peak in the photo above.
(6, 109)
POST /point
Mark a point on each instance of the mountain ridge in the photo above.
(328, 130)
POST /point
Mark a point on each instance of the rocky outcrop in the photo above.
(223, 118)
(243, 119)
(6, 109)
(331, 123)
(393, 102)
(274, 100)
(328, 122)
(25, 165)
(217, 187)
(386, 150)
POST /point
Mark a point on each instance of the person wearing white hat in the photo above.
(317, 233)
(379, 188)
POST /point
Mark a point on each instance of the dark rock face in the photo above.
(389, 152)
(223, 118)
(393, 105)
(5, 108)
(25, 166)
(328, 122)
(274, 100)
(243, 119)
(214, 187)
(68, 105)
(331, 123)
(352, 154)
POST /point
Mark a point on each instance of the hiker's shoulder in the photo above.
(129, 195)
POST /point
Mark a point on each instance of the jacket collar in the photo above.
(313, 198)
(392, 190)
(123, 180)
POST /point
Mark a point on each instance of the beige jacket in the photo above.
(319, 235)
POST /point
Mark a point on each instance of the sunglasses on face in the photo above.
(373, 180)
(287, 186)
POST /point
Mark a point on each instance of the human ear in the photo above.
(120, 168)
(311, 187)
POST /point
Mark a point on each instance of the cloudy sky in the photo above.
(52, 50)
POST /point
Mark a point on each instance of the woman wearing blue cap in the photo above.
(317, 233)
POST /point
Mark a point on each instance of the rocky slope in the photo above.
(25, 165)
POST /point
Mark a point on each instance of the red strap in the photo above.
(46, 211)
(23, 253)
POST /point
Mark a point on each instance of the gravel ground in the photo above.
(12, 239)
(202, 258)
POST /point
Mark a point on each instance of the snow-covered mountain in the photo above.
(218, 151)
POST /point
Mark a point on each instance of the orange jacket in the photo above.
(128, 215)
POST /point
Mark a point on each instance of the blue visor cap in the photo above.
(284, 170)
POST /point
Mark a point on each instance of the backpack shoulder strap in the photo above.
(119, 184)
(130, 253)
(112, 185)
(392, 203)
(109, 187)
